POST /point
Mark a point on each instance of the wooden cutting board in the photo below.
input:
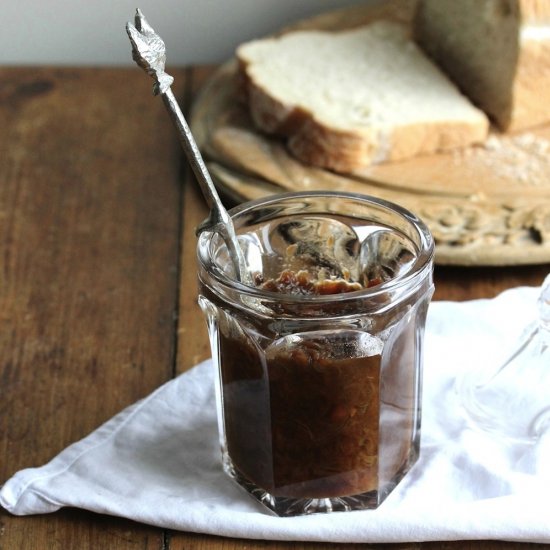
(485, 205)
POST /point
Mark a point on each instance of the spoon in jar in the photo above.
(149, 52)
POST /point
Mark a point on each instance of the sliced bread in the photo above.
(496, 51)
(348, 99)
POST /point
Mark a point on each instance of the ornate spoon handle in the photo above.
(149, 52)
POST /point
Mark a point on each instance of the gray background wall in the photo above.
(91, 32)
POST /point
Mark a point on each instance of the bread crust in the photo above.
(531, 89)
(534, 11)
(521, 99)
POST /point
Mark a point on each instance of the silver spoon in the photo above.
(149, 52)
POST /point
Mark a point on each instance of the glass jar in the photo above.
(319, 395)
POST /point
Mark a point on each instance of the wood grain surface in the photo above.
(97, 282)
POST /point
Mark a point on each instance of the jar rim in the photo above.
(422, 261)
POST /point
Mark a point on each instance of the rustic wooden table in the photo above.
(97, 280)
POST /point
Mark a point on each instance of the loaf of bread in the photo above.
(348, 99)
(496, 51)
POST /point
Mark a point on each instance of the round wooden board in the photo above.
(485, 205)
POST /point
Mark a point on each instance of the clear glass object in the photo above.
(319, 395)
(513, 401)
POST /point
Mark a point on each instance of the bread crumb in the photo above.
(522, 157)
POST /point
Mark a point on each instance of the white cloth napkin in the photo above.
(158, 461)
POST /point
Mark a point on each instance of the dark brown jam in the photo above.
(302, 282)
(302, 420)
(302, 424)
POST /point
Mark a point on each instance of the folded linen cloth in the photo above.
(158, 461)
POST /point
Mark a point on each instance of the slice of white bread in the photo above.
(496, 51)
(349, 99)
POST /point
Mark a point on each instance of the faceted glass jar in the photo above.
(319, 395)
